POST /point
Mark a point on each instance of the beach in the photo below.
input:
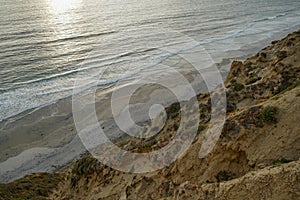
(46, 139)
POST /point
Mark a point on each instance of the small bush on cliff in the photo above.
(277, 163)
(86, 165)
(286, 86)
(201, 127)
(224, 176)
(268, 114)
(238, 86)
(252, 80)
(173, 111)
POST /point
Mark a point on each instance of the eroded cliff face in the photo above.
(256, 157)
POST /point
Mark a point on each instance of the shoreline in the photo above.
(242, 53)
(45, 139)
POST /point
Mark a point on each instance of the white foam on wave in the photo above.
(257, 32)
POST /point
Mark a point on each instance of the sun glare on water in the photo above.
(62, 14)
(60, 6)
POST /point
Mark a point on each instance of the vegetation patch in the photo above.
(122, 143)
(201, 127)
(268, 114)
(224, 176)
(287, 87)
(230, 126)
(263, 54)
(35, 186)
(175, 126)
(249, 117)
(277, 163)
(149, 144)
(276, 97)
(86, 165)
(238, 86)
(252, 80)
(173, 111)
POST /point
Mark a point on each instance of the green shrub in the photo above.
(252, 80)
(122, 143)
(175, 126)
(169, 193)
(173, 111)
(224, 176)
(86, 165)
(238, 86)
(276, 98)
(268, 114)
(201, 127)
(149, 144)
(285, 87)
(277, 163)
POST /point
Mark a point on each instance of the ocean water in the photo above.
(45, 44)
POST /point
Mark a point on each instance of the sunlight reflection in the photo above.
(62, 18)
(60, 6)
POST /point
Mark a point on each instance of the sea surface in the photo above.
(46, 44)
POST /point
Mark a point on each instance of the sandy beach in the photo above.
(46, 140)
